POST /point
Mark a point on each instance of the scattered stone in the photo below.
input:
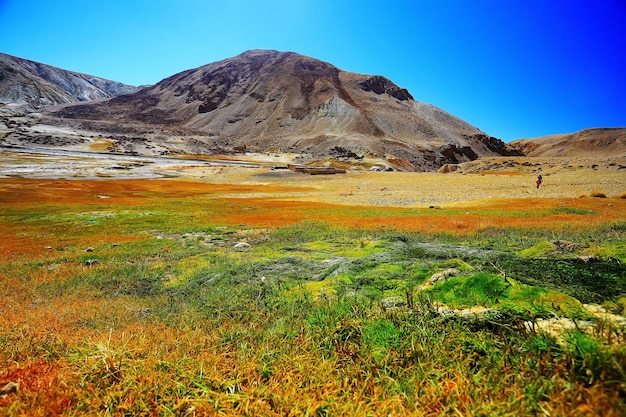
(91, 262)
(447, 168)
(89, 249)
(603, 314)
(554, 326)
(140, 311)
(444, 275)
(144, 311)
(567, 246)
(392, 302)
(242, 245)
(159, 237)
(9, 388)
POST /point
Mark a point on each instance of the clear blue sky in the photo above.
(513, 68)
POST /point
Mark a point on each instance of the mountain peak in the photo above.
(269, 101)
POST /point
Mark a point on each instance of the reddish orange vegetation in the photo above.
(521, 213)
(276, 210)
(24, 242)
(131, 191)
(28, 241)
(41, 385)
(37, 322)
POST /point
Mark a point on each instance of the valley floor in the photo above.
(152, 286)
(492, 178)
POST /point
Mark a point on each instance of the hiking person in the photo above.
(539, 181)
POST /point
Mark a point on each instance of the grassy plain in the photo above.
(241, 291)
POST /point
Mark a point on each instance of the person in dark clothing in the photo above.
(539, 181)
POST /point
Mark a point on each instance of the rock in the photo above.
(444, 275)
(90, 249)
(140, 311)
(447, 168)
(242, 245)
(144, 311)
(567, 246)
(392, 302)
(91, 262)
(9, 388)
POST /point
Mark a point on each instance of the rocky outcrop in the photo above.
(381, 85)
(448, 168)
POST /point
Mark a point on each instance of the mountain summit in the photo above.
(270, 101)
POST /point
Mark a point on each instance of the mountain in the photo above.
(34, 85)
(601, 142)
(270, 101)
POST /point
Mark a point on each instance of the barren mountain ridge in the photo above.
(270, 101)
(35, 85)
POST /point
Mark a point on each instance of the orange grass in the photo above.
(459, 220)
(65, 364)
(277, 211)
(214, 204)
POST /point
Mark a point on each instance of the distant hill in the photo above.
(270, 101)
(602, 142)
(35, 85)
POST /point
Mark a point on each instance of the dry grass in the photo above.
(76, 339)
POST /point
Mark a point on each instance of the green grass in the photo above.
(311, 319)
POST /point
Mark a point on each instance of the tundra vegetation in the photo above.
(166, 297)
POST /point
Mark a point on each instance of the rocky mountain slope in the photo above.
(33, 85)
(269, 101)
(603, 142)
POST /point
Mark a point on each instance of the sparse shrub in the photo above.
(622, 195)
(598, 194)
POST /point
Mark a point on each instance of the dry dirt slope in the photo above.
(603, 142)
(270, 101)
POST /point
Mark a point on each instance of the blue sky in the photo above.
(513, 68)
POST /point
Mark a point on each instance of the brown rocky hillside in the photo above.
(606, 142)
(269, 101)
